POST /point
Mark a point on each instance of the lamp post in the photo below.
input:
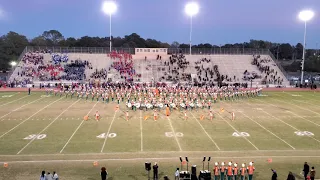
(109, 8)
(305, 16)
(191, 9)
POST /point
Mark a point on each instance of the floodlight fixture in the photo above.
(191, 9)
(13, 63)
(109, 8)
(306, 15)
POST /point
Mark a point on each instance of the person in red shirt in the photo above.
(229, 171)
(235, 171)
(243, 172)
(216, 171)
(250, 170)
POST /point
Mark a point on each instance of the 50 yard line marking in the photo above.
(175, 137)
(77, 129)
(29, 118)
(105, 139)
(206, 132)
(48, 126)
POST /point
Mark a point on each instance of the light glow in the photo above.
(13, 63)
(306, 15)
(109, 7)
(192, 8)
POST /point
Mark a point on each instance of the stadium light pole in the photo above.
(191, 9)
(109, 8)
(305, 16)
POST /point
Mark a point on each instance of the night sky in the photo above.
(218, 22)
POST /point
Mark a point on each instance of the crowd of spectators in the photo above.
(100, 74)
(123, 63)
(58, 58)
(75, 71)
(271, 75)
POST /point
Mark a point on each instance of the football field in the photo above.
(279, 130)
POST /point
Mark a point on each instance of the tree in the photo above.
(38, 41)
(175, 44)
(53, 37)
(299, 51)
(285, 51)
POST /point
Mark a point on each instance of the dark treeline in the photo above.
(12, 45)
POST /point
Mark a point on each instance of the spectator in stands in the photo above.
(312, 173)
(306, 170)
(155, 171)
(290, 176)
(43, 175)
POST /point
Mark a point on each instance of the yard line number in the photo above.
(104, 135)
(172, 134)
(7, 96)
(304, 133)
(35, 136)
(240, 134)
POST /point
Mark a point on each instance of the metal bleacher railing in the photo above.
(195, 51)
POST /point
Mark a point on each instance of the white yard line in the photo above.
(29, 118)
(19, 108)
(48, 125)
(160, 158)
(105, 139)
(265, 128)
(295, 115)
(237, 131)
(306, 102)
(13, 101)
(141, 129)
(174, 133)
(77, 129)
(295, 105)
(205, 132)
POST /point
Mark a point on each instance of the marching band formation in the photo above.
(146, 98)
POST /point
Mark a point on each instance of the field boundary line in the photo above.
(288, 124)
(141, 129)
(14, 101)
(265, 128)
(18, 108)
(296, 115)
(109, 129)
(54, 120)
(160, 158)
(238, 131)
(76, 130)
(295, 105)
(174, 133)
(29, 117)
(205, 132)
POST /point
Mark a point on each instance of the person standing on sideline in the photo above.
(55, 176)
(43, 175)
(290, 176)
(103, 173)
(250, 170)
(312, 173)
(305, 170)
(176, 174)
(155, 171)
(29, 91)
(49, 176)
(274, 175)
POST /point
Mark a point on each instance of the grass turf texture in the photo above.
(276, 125)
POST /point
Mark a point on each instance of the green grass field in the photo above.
(48, 133)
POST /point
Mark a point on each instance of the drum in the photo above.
(129, 105)
(160, 105)
(137, 105)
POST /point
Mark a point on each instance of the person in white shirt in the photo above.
(55, 176)
(43, 175)
(49, 176)
(176, 174)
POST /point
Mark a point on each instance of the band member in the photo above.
(155, 115)
(232, 116)
(229, 171)
(127, 115)
(211, 115)
(185, 115)
(243, 172)
(235, 171)
(222, 171)
(250, 170)
(167, 111)
(97, 116)
(216, 171)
